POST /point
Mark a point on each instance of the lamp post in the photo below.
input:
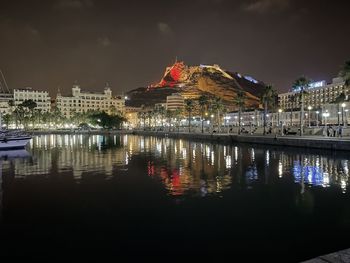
(279, 112)
(226, 118)
(346, 117)
(325, 115)
(267, 122)
(342, 113)
(317, 112)
(309, 108)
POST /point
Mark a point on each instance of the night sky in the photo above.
(50, 44)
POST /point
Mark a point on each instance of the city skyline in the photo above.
(51, 45)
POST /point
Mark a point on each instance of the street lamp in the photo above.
(342, 113)
(226, 118)
(346, 117)
(317, 112)
(309, 108)
(325, 115)
(279, 111)
(236, 117)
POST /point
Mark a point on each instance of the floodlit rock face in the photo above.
(194, 81)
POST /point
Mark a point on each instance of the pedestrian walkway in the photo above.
(306, 141)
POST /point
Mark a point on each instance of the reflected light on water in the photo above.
(183, 167)
(228, 162)
(236, 154)
(280, 169)
(267, 157)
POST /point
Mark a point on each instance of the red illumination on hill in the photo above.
(172, 75)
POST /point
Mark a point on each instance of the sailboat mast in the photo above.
(5, 83)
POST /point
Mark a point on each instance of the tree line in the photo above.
(27, 115)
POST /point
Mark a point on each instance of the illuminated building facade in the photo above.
(174, 101)
(4, 102)
(85, 101)
(41, 98)
(319, 93)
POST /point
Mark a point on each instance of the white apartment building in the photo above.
(4, 102)
(319, 93)
(84, 101)
(41, 98)
(174, 101)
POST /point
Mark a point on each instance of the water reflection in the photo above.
(7, 157)
(183, 167)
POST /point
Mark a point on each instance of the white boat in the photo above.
(16, 139)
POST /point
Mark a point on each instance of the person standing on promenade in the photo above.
(325, 131)
(340, 131)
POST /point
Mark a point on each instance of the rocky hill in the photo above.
(194, 81)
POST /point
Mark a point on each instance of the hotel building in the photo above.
(4, 102)
(84, 101)
(319, 94)
(41, 98)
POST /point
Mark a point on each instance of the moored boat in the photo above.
(15, 139)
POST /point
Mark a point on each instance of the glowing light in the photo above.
(280, 169)
(228, 161)
(267, 157)
(236, 153)
(249, 78)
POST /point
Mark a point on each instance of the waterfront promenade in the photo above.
(306, 141)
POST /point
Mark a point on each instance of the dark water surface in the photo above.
(97, 197)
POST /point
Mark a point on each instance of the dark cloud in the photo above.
(266, 6)
(104, 41)
(164, 28)
(73, 4)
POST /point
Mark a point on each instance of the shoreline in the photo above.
(314, 142)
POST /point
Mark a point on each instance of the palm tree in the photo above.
(177, 115)
(57, 116)
(7, 119)
(36, 117)
(149, 115)
(30, 105)
(142, 115)
(19, 113)
(301, 84)
(217, 107)
(46, 118)
(203, 103)
(169, 115)
(189, 104)
(268, 98)
(239, 101)
(11, 104)
(292, 100)
(339, 100)
(345, 73)
(161, 111)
